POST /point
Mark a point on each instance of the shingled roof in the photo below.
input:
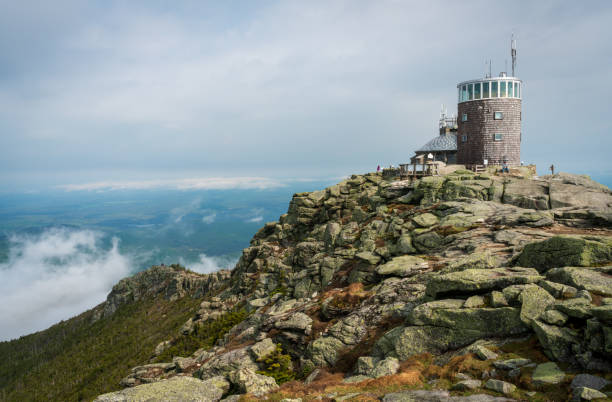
(443, 142)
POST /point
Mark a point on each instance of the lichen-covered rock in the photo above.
(406, 265)
(225, 363)
(439, 396)
(425, 220)
(176, 389)
(500, 386)
(528, 194)
(553, 317)
(404, 342)
(263, 348)
(556, 341)
(474, 302)
(428, 241)
(471, 280)
(247, 381)
(388, 366)
(560, 251)
(296, 322)
(547, 374)
(534, 301)
(578, 191)
(466, 385)
(596, 280)
(476, 260)
(588, 394)
(484, 353)
(325, 351)
(511, 364)
(483, 322)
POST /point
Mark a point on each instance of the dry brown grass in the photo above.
(468, 364)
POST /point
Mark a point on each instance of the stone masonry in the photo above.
(480, 129)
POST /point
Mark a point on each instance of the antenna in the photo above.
(513, 53)
(490, 63)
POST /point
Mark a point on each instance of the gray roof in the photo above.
(443, 142)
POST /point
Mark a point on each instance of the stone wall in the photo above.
(481, 127)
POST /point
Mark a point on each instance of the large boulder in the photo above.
(325, 351)
(595, 280)
(406, 265)
(225, 363)
(547, 374)
(556, 341)
(560, 251)
(483, 322)
(247, 381)
(534, 301)
(578, 191)
(176, 389)
(404, 342)
(480, 280)
(528, 194)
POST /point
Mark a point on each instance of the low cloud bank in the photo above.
(206, 264)
(54, 276)
(210, 183)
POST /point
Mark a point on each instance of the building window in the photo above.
(494, 93)
(464, 93)
(470, 91)
(477, 91)
(510, 89)
(464, 117)
(518, 89)
(464, 138)
(498, 115)
(502, 87)
(497, 137)
(485, 90)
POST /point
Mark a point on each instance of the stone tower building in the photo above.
(489, 119)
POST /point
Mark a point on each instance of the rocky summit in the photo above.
(460, 287)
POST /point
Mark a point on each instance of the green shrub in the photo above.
(277, 365)
(203, 336)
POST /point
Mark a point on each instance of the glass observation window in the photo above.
(494, 92)
(464, 93)
(498, 137)
(518, 89)
(498, 115)
(511, 89)
(470, 91)
(485, 90)
(477, 90)
(502, 89)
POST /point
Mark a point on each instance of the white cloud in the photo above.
(208, 264)
(55, 276)
(209, 183)
(256, 219)
(208, 219)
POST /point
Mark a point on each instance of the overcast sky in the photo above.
(101, 90)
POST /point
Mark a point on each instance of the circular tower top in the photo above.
(489, 88)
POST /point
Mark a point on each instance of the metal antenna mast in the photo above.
(513, 53)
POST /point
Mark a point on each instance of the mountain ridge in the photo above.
(377, 285)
